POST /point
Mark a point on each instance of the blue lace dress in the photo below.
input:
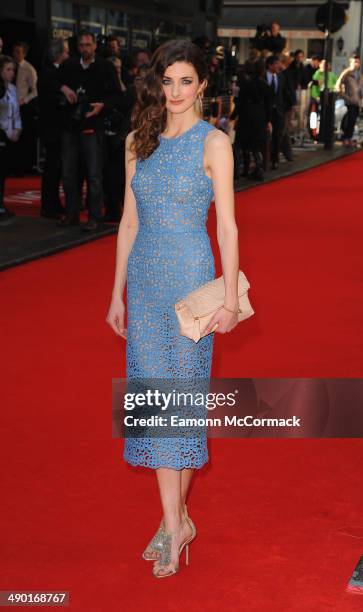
(171, 256)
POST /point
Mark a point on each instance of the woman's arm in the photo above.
(14, 131)
(219, 161)
(127, 232)
(17, 117)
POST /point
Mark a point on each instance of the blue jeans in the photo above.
(90, 147)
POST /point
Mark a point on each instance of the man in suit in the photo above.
(280, 96)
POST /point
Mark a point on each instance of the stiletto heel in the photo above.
(156, 543)
(165, 557)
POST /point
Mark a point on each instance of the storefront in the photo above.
(240, 19)
(137, 25)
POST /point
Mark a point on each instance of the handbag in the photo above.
(195, 310)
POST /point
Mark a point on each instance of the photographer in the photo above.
(268, 38)
(94, 82)
(10, 124)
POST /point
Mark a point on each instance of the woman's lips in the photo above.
(176, 101)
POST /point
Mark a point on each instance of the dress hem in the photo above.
(163, 465)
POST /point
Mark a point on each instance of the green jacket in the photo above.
(320, 77)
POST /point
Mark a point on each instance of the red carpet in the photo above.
(280, 521)
(23, 195)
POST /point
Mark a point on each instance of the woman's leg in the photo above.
(4, 152)
(2, 173)
(186, 477)
(169, 482)
(170, 486)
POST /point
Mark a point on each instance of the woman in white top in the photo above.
(10, 123)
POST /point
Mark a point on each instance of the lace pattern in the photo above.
(171, 256)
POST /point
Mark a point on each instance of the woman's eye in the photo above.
(184, 82)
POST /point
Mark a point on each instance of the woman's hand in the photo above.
(15, 135)
(226, 321)
(115, 317)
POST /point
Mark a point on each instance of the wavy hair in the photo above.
(4, 59)
(149, 115)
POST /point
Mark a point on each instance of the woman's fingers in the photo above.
(221, 326)
(211, 325)
(117, 326)
(121, 331)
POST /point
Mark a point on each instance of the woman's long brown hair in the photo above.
(148, 117)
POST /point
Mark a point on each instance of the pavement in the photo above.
(28, 236)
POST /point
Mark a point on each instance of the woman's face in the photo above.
(181, 86)
(7, 72)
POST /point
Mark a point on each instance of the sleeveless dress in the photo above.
(170, 257)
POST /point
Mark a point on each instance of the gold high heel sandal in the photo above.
(156, 543)
(165, 558)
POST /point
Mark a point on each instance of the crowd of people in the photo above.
(278, 99)
(82, 109)
(79, 105)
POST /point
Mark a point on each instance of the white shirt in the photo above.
(272, 79)
(26, 81)
(10, 119)
(85, 65)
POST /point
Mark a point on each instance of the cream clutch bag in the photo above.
(196, 310)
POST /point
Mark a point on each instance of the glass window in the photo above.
(141, 32)
(118, 24)
(64, 22)
(93, 18)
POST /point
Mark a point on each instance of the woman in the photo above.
(10, 124)
(253, 110)
(174, 162)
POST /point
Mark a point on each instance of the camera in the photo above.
(262, 29)
(113, 122)
(79, 109)
(82, 107)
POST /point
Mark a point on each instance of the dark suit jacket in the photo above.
(282, 99)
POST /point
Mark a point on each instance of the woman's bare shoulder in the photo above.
(216, 140)
(130, 138)
(217, 137)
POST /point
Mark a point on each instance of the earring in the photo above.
(200, 100)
